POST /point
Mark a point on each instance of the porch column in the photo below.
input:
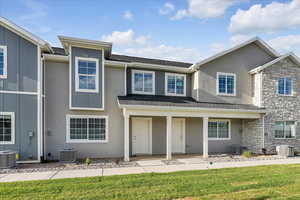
(169, 137)
(205, 137)
(126, 138)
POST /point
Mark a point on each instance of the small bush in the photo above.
(247, 154)
(88, 161)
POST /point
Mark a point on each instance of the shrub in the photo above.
(247, 154)
(88, 161)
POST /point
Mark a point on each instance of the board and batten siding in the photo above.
(19, 93)
(85, 99)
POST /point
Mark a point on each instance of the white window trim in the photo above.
(12, 115)
(133, 84)
(77, 89)
(229, 129)
(4, 76)
(234, 89)
(166, 84)
(285, 138)
(69, 140)
(292, 87)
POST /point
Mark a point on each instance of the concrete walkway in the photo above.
(144, 167)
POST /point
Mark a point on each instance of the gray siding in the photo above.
(25, 110)
(57, 109)
(21, 63)
(159, 81)
(239, 62)
(84, 99)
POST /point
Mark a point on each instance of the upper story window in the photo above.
(285, 129)
(7, 128)
(143, 82)
(87, 73)
(219, 129)
(84, 129)
(226, 84)
(3, 62)
(175, 84)
(285, 86)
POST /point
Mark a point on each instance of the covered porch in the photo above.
(178, 130)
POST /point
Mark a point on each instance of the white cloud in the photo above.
(204, 9)
(273, 17)
(128, 15)
(240, 38)
(167, 8)
(286, 43)
(166, 52)
(125, 38)
(217, 47)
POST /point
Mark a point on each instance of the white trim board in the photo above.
(77, 89)
(13, 128)
(217, 84)
(25, 34)
(17, 92)
(166, 84)
(69, 116)
(4, 75)
(133, 83)
(256, 40)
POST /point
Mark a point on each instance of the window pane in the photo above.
(290, 129)
(1, 62)
(279, 129)
(223, 129)
(212, 129)
(281, 86)
(91, 82)
(78, 129)
(97, 129)
(83, 69)
(222, 84)
(179, 85)
(148, 82)
(230, 84)
(171, 84)
(83, 82)
(138, 82)
(5, 128)
(288, 86)
(92, 67)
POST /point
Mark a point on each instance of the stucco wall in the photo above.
(57, 93)
(239, 62)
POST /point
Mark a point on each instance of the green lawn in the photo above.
(265, 182)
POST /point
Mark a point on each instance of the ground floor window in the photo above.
(7, 128)
(285, 129)
(87, 128)
(218, 129)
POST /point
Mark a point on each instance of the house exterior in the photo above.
(83, 96)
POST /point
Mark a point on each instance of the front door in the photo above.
(141, 136)
(178, 135)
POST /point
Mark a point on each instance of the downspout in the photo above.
(125, 80)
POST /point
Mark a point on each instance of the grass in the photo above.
(264, 182)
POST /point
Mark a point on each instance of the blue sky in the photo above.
(184, 30)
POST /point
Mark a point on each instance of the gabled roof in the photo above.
(255, 40)
(25, 34)
(79, 42)
(290, 55)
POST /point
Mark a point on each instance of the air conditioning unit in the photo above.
(7, 159)
(67, 155)
(285, 151)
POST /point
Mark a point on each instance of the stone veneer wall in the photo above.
(252, 136)
(280, 108)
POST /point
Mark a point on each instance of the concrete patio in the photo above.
(144, 166)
